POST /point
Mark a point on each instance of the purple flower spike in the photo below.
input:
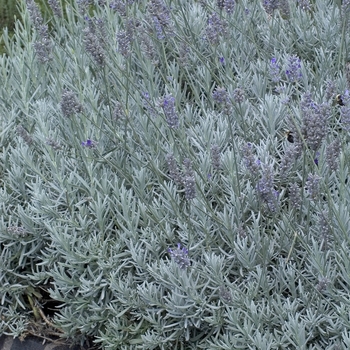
(180, 256)
(89, 143)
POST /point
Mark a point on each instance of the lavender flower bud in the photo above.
(330, 89)
(332, 155)
(220, 95)
(119, 6)
(313, 185)
(293, 71)
(294, 196)
(146, 102)
(43, 45)
(322, 284)
(324, 229)
(17, 231)
(54, 144)
(225, 294)
(124, 39)
(315, 117)
(252, 164)
(345, 7)
(284, 8)
(215, 157)
(220, 4)
(305, 5)
(118, 112)
(168, 105)
(227, 5)
(274, 70)
(24, 134)
(173, 168)
(34, 14)
(345, 110)
(89, 143)
(215, 29)
(347, 73)
(55, 7)
(93, 46)
(238, 95)
(180, 256)
(83, 5)
(288, 159)
(160, 15)
(70, 104)
(266, 189)
(147, 46)
(188, 180)
(270, 6)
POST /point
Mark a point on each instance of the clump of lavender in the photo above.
(216, 28)
(70, 104)
(168, 105)
(173, 168)
(188, 180)
(315, 118)
(180, 256)
(332, 155)
(293, 71)
(274, 70)
(294, 196)
(313, 185)
(215, 157)
(24, 134)
(266, 191)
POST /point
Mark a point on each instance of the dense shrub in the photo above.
(149, 191)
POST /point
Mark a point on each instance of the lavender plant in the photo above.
(148, 189)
